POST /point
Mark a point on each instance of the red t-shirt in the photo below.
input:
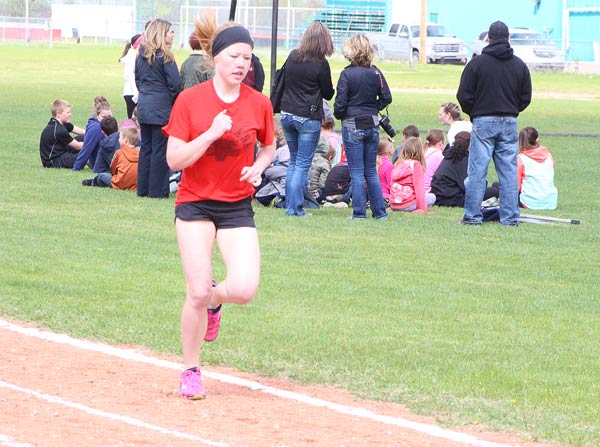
(216, 174)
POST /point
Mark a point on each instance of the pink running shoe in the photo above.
(190, 386)
(214, 324)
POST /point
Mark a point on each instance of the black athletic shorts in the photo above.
(222, 214)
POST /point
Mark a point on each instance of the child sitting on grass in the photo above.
(433, 155)
(108, 144)
(124, 165)
(384, 167)
(58, 148)
(408, 186)
(409, 131)
(337, 190)
(535, 171)
(319, 169)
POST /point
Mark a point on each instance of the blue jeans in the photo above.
(104, 179)
(302, 135)
(361, 153)
(493, 137)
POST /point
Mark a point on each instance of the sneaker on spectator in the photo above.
(190, 386)
(340, 205)
(88, 182)
(492, 202)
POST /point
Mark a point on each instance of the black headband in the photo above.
(230, 36)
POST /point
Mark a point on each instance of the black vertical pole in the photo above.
(274, 23)
(232, 9)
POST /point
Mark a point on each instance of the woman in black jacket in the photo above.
(157, 79)
(307, 82)
(362, 92)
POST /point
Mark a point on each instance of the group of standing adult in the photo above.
(361, 93)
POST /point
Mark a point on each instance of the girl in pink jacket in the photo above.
(408, 179)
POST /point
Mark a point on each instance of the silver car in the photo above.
(533, 48)
(402, 42)
(440, 47)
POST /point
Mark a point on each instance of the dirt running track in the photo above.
(58, 391)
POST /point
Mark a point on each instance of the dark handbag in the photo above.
(277, 87)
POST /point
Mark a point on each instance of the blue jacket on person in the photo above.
(108, 146)
(361, 91)
(91, 142)
(158, 84)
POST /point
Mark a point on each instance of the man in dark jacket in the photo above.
(494, 88)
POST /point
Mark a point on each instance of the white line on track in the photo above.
(131, 355)
(7, 441)
(106, 414)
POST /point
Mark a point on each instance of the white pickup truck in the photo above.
(402, 42)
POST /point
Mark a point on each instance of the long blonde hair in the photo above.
(412, 149)
(154, 41)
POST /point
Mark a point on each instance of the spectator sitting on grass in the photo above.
(93, 134)
(407, 132)
(124, 166)
(448, 182)
(384, 167)
(535, 170)
(58, 149)
(133, 121)
(449, 115)
(337, 190)
(108, 144)
(319, 168)
(408, 187)
(334, 139)
(434, 145)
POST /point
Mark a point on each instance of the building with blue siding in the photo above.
(573, 25)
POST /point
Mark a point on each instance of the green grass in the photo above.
(486, 326)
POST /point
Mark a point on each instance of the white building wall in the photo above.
(406, 11)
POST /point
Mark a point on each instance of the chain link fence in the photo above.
(293, 22)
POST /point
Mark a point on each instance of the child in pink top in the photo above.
(434, 145)
(408, 180)
(384, 167)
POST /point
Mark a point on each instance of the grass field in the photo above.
(490, 326)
